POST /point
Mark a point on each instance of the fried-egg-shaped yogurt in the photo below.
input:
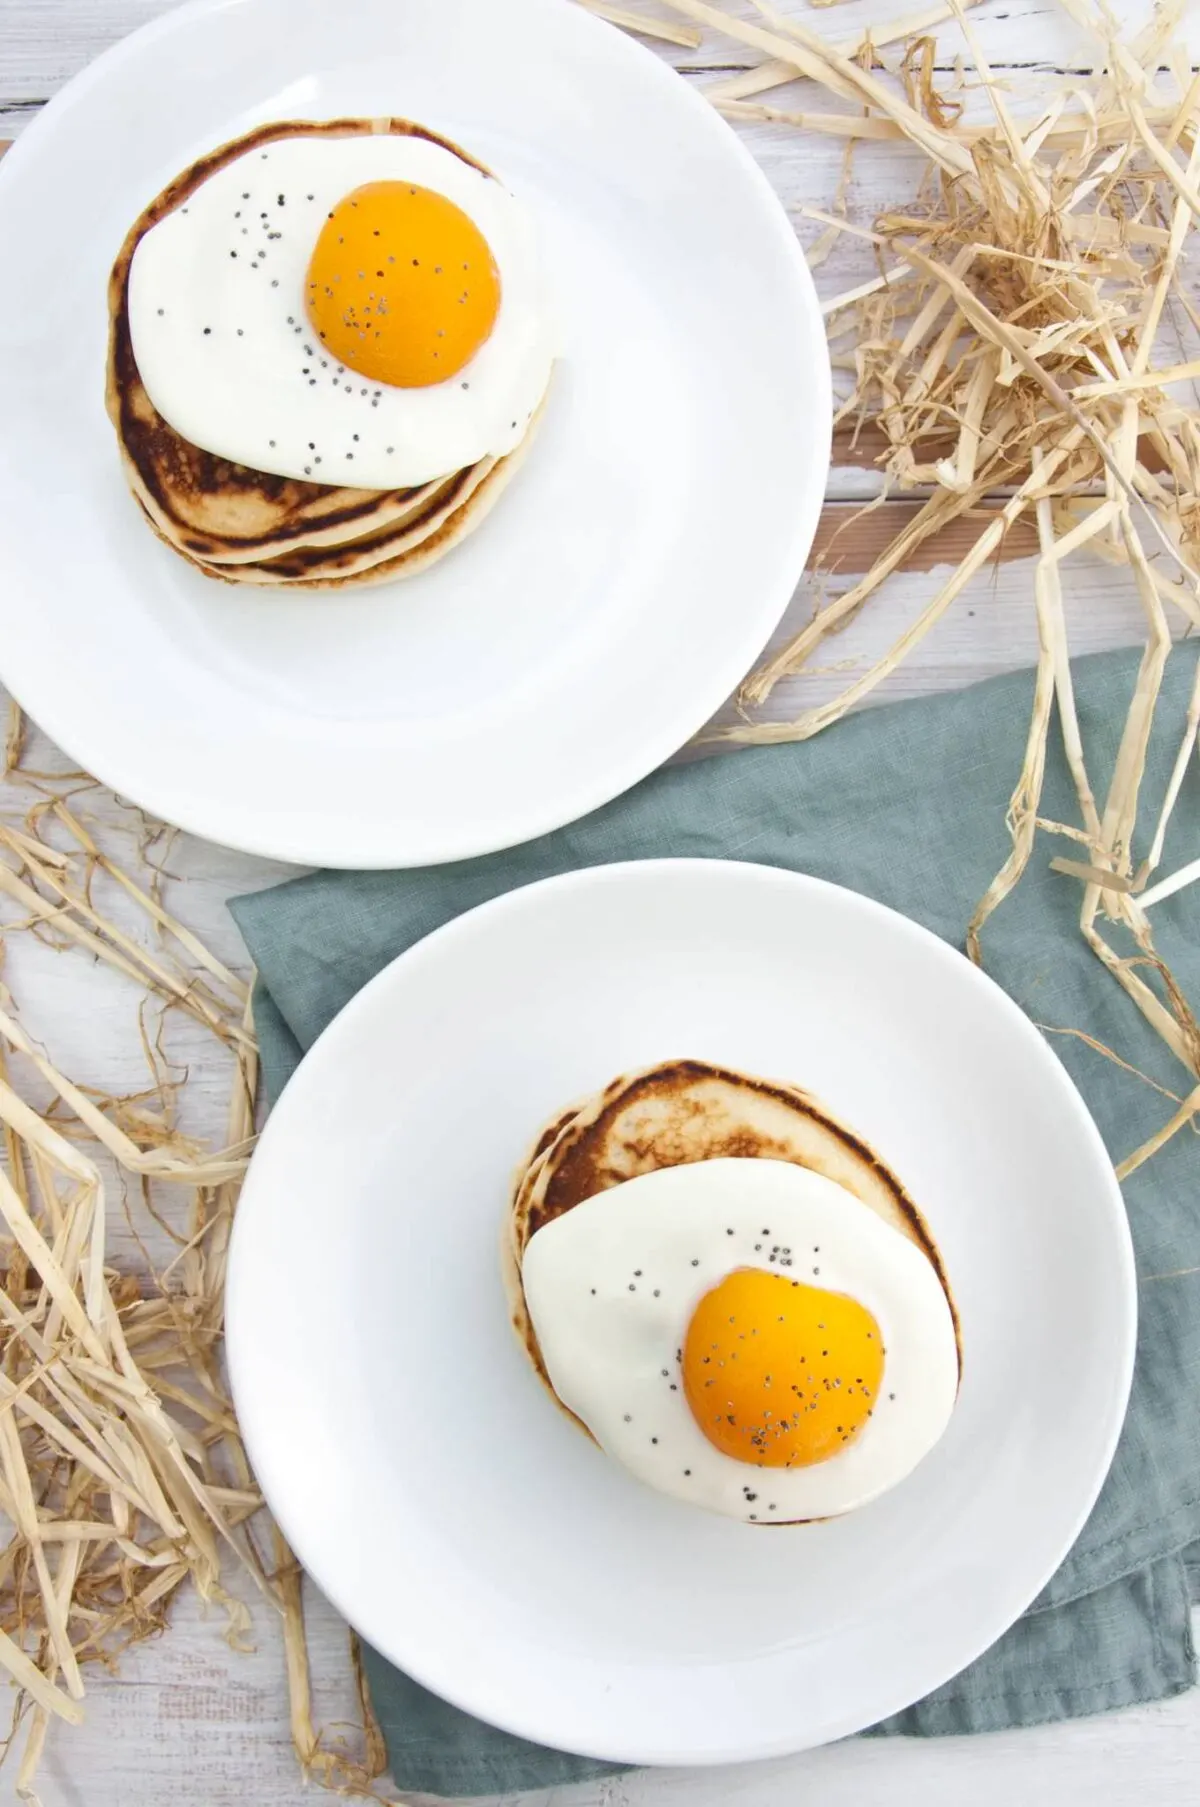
(364, 311)
(745, 1335)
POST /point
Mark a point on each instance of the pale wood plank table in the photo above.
(190, 1721)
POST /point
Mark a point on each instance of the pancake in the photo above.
(248, 526)
(680, 1112)
(401, 549)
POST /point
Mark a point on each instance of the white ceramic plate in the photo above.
(632, 572)
(466, 1527)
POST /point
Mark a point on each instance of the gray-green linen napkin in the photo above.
(906, 804)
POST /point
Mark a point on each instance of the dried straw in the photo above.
(1024, 337)
(122, 1475)
(643, 25)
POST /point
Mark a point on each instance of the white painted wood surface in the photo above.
(188, 1720)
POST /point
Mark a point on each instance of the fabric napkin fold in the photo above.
(905, 803)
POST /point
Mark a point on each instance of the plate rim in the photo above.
(296, 836)
(1121, 1348)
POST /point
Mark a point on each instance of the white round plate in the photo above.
(468, 1530)
(624, 584)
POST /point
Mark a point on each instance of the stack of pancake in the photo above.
(244, 525)
(673, 1114)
